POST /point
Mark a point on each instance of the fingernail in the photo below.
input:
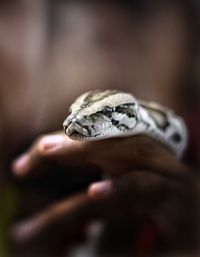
(100, 189)
(50, 143)
(25, 231)
(21, 165)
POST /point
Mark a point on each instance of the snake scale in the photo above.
(98, 114)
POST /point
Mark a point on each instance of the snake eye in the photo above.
(107, 111)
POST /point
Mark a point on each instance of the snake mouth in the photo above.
(77, 136)
(76, 130)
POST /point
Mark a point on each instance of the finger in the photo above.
(119, 155)
(114, 156)
(72, 211)
(33, 158)
(146, 192)
(49, 147)
(99, 190)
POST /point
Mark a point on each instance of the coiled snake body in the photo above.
(98, 115)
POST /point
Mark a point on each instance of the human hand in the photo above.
(136, 166)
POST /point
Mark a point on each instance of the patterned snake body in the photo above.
(98, 115)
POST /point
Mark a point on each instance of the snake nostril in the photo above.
(75, 127)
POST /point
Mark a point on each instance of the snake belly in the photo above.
(97, 115)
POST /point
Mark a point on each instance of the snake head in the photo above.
(101, 114)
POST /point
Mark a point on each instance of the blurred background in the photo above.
(53, 50)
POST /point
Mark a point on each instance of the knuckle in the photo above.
(146, 146)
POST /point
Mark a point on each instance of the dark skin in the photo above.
(98, 64)
(146, 183)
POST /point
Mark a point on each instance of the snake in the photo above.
(102, 114)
